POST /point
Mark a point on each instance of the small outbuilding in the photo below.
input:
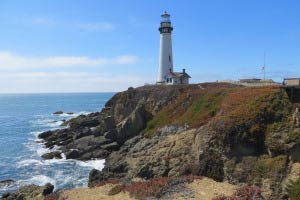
(291, 82)
(177, 78)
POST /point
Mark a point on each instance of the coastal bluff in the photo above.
(229, 133)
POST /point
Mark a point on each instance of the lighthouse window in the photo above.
(169, 58)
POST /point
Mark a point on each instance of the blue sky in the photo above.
(109, 45)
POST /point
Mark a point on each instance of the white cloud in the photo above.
(126, 59)
(10, 61)
(36, 82)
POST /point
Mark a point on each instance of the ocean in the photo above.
(22, 118)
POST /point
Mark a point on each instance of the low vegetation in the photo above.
(194, 108)
(243, 193)
(293, 189)
(151, 188)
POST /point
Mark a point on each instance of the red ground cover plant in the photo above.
(151, 188)
(243, 193)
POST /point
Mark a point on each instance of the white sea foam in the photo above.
(51, 123)
(72, 115)
(70, 173)
(39, 180)
(10, 187)
(29, 162)
(95, 164)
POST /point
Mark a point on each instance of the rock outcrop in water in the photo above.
(225, 132)
(30, 192)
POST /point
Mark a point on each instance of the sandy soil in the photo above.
(202, 189)
(97, 193)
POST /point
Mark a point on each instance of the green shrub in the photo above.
(293, 189)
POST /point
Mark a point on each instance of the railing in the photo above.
(254, 84)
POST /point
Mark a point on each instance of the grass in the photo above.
(192, 107)
(251, 109)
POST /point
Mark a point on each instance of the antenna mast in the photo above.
(264, 67)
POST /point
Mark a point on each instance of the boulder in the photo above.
(31, 192)
(72, 154)
(111, 147)
(98, 130)
(6, 183)
(112, 134)
(294, 152)
(45, 135)
(48, 189)
(84, 132)
(58, 112)
(52, 155)
(5, 195)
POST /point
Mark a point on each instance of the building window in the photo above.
(169, 58)
(170, 80)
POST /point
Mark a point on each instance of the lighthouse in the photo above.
(165, 51)
(166, 75)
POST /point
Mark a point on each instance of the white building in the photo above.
(165, 69)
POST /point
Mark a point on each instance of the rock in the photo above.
(145, 172)
(112, 135)
(45, 135)
(48, 189)
(58, 112)
(211, 165)
(294, 152)
(111, 147)
(70, 113)
(31, 192)
(84, 132)
(5, 195)
(109, 122)
(6, 183)
(72, 154)
(52, 155)
(132, 125)
(98, 130)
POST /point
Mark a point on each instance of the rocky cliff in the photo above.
(225, 132)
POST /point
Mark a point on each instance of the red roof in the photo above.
(179, 74)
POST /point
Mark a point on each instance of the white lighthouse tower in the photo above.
(165, 52)
(166, 75)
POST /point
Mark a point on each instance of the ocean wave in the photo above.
(51, 123)
(72, 114)
(95, 164)
(37, 148)
(29, 162)
(91, 164)
(38, 180)
(10, 187)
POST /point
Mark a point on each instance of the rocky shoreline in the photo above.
(244, 136)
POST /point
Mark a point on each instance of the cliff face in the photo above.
(225, 132)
